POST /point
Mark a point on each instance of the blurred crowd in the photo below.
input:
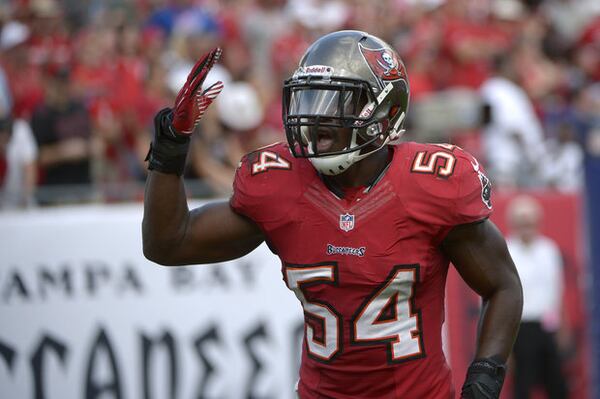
(514, 82)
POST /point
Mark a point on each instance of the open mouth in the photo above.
(325, 141)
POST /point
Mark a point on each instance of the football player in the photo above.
(365, 226)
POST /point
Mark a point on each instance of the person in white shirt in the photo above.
(21, 151)
(539, 263)
(513, 136)
(563, 167)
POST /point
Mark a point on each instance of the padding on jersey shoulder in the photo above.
(435, 159)
(272, 157)
(266, 184)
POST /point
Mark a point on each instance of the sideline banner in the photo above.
(84, 315)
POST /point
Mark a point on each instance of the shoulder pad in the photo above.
(267, 183)
(269, 158)
(448, 184)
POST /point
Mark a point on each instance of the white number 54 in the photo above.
(385, 317)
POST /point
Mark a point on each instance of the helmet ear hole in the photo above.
(393, 111)
(374, 129)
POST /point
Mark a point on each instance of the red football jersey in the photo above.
(368, 270)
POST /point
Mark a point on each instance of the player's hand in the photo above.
(191, 103)
(484, 380)
(173, 127)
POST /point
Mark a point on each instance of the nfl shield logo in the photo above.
(346, 222)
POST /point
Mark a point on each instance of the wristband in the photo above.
(484, 379)
(169, 149)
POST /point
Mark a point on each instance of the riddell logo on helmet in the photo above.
(383, 63)
(318, 70)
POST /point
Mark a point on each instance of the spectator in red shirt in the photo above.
(24, 79)
(49, 42)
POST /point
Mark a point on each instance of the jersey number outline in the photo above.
(269, 160)
(428, 163)
(401, 332)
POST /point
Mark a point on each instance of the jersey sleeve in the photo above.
(244, 200)
(473, 200)
(259, 187)
(448, 187)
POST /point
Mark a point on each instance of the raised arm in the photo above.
(479, 253)
(172, 235)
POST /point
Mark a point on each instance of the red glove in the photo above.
(191, 104)
(173, 127)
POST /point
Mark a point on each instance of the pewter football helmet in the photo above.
(346, 79)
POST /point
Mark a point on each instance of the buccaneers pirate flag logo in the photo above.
(384, 63)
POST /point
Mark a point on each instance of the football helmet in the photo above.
(346, 79)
